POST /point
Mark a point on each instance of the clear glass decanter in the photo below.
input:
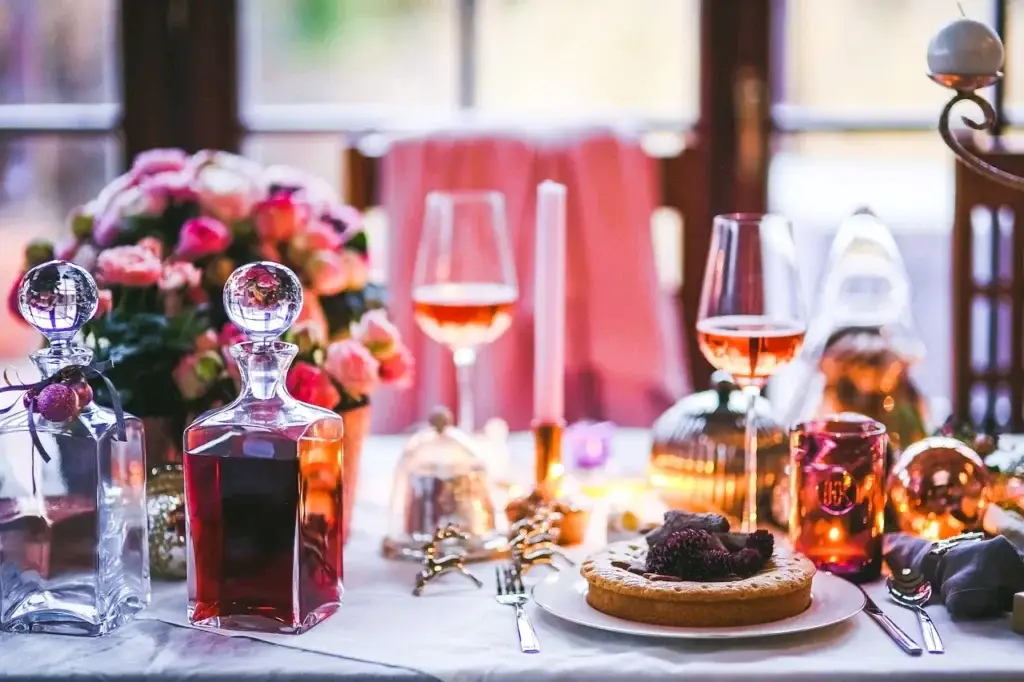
(74, 555)
(263, 481)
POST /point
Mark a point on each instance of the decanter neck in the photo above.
(59, 355)
(263, 367)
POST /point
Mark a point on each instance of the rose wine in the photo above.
(264, 520)
(750, 347)
(464, 315)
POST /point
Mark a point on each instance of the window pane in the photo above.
(588, 57)
(866, 56)
(380, 52)
(907, 180)
(41, 179)
(58, 51)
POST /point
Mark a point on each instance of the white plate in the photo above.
(833, 600)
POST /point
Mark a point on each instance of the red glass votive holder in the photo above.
(837, 469)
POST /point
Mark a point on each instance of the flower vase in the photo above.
(165, 499)
(357, 427)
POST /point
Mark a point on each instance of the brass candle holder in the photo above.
(547, 448)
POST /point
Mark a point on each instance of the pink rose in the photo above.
(352, 366)
(357, 269)
(375, 331)
(195, 373)
(167, 186)
(153, 245)
(310, 384)
(231, 335)
(202, 237)
(226, 185)
(312, 313)
(180, 275)
(397, 368)
(65, 248)
(280, 217)
(327, 273)
(105, 303)
(207, 341)
(159, 160)
(129, 266)
(317, 236)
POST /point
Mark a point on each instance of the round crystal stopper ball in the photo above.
(58, 298)
(263, 300)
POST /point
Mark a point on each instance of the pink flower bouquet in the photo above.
(161, 241)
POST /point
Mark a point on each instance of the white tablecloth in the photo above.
(456, 632)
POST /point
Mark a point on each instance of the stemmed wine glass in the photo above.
(751, 319)
(464, 285)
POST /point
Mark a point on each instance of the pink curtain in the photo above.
(624, 358)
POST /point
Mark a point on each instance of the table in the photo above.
(455, 632)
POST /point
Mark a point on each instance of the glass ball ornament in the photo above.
(939, 488)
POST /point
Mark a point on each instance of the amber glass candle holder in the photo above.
(838, 494)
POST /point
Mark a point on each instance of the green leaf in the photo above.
(359, 243)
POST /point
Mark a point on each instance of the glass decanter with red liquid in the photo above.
(837, 490)
(263, 480)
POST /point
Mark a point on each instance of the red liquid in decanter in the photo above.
(264, 525)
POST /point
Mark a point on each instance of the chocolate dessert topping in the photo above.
(682, 520)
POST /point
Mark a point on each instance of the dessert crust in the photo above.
(780, 590)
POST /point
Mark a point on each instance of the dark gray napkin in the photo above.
(973, 580)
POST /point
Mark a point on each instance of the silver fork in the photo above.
(512, 593)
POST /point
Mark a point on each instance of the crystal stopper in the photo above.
(263, 300)
(57, 298)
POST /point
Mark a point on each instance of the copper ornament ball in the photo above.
(939, 488)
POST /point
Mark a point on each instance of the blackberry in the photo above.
(717, 563)
(679, 554)
(763, 542)
(746, 562)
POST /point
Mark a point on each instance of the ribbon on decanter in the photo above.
(69, 375)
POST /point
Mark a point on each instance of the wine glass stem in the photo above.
(749, 522)
(465, 359)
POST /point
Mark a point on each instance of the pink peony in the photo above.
(201, 237)
(129, 266)
(109, 194)
(352, 366)
(160, 188)
(346, 219)
(106, 229)
(159, 161)
(231, 335)
(375, 331)
(317, 236)
(327, 273)
(280, 217)
(105, 303)
(226, 185)
(180, 275)
(312, 385)
(397, 368)
(153, 245)
(307, 188)
(65, 248)
(85, 257)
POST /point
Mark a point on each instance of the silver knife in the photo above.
(903, 639)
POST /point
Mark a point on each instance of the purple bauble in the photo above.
(57, 403)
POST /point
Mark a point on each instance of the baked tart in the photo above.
(693, 574)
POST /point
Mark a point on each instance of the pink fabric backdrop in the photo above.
(624, 359)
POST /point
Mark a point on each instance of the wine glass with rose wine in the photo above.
(751, 320)
(464, 285)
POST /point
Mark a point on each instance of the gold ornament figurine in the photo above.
(436, 564)
(534, 541)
